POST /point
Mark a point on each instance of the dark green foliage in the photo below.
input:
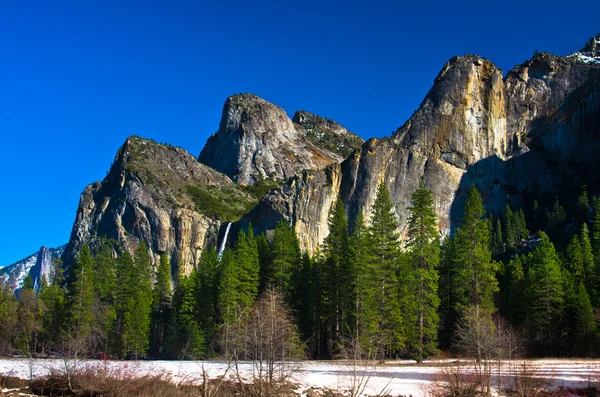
(584, 324)
(337, 275)
(556, 218)
(81, 293)
(134, 301)
(476, 273)
(544, 294)
(385, 252)
(161, 307)
(284, 262)
(423, 251)
(28, 283)
(206, 293)
(8, 314)
(186, 340)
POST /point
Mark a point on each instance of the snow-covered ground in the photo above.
(399, 377)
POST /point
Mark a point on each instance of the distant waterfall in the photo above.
(222, 246)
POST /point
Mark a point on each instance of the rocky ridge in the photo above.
(257, 141)
(160, 194)
(508, 135)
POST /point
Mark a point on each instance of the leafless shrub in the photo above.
(269, 339)
(458, 380)
(528, 381)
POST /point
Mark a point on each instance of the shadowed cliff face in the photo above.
(257, 140)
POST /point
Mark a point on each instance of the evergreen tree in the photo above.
(105, 286)
(28, 283)
(285, 263)
(544, 294)
(583, 206)
(247, 263)
(595, 242)
(585, 323)
(450, 300)
(81, 294)
(337, 270)
(207, 293)
(498, 240)
(476, 271)
(186, 340)
(589, 266)
(516, 291)
(424, 257)
(134, 300)
(365, 286)
(54, 301)
(556, 218)
(8, 313)
(574, 259)
(385, 250)
(510, 234)
(161, 307)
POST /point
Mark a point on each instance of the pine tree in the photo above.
(595, 242)
(105, 287)
(54, 301)
(476, 271)
(450, 300)
(544, 293)
(424, 257)
(139, 306)
(247, 261)
(510, 233)
(516, 291)
(186, 340)
(574, 258)
(285, 263)
(583, 206)
(207, 293)
(134, 301)
(498, 240)
(161, 307)
(337, 269)
(365, 286)
(589, 266)
(81, 293)
(385, 249)
(585, 323)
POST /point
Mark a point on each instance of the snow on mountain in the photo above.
(37, 264)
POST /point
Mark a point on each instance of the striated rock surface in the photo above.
(256, 140)
(162, 195)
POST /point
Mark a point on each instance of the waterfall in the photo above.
(222, 246)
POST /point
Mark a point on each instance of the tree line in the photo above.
(364, 288)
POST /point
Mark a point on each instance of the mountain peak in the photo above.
(257, 141)
(590, 53)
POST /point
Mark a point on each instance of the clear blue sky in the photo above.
(76, 78)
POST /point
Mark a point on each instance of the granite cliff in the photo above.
(257, 141)
(535, 129)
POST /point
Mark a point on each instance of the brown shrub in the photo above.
(12, 382)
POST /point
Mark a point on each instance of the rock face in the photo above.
(257, 140)
(37, 265)
(152, 193)
(537, 129)
(474, 127)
